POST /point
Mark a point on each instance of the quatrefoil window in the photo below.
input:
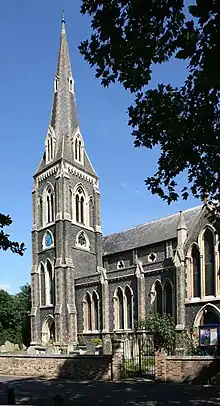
(152, 257)
(120, 265)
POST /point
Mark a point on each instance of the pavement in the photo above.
(137, 392)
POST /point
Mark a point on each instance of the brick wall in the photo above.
(78, 368)
(85, 367)
(195, 369)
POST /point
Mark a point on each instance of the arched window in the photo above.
(49, 284)
(95, 311)
(119, 309)
(40, 205)
(87, 313)
(91, 213)
(50, 148)
(77, 208)
(80, 206)
(71, 203)
(128, 308)
(79, 145)
(209, 261)
(168, 298)
(76, 149)
(42, 286)
(49, 205)
(196, 272)
(158, 298)
(82, 209)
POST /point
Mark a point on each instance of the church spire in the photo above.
(64, 115)
(64, 139)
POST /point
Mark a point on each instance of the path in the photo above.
(128, 393)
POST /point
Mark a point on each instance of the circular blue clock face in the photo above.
(48, 239)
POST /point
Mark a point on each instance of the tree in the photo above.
(24, 306)
(5, 242)
(10, 321)
(128, 39)
(163, 329)
(14, 316)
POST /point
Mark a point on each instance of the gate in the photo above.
(139, 357)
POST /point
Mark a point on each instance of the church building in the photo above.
(84, 284)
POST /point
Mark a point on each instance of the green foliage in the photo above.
(96, 341)
(5, 242)
(24, 307)
(14, 316)
(128, 38)
(163, 329)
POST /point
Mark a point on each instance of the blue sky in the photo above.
(29, 41)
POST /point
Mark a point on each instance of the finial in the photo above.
(181, 225)
(63, 17)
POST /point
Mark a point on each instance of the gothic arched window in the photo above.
(168, 296)
(40, 205)
(77, 208)
(91, 212)
(128, 308)
(71, 203)
(95, 311)
(49, 284)
(49, 148)
(196, 272)
(49, 205)
(76, 149)
(209, 261)
(82, 209)
(87, 312)
(119, 309)
(158, 298)
(80, 206)
(79, 150)
(42, 286)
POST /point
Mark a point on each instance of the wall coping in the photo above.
(57, 356)
(192, 358)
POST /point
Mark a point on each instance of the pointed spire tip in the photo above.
(63, 17)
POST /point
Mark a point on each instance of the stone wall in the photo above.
(194, 369)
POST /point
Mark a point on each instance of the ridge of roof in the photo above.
(153, 221)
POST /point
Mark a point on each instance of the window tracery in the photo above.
(91, 311)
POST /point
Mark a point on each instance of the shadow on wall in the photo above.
(209, 374)
(93, 367)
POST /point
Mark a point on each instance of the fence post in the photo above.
(117, 360)
(160, 365)
(11, 396)
(139, 355)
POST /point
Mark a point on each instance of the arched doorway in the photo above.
(208, 314)
(48, 330)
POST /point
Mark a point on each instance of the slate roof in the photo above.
(149, 233)
(64, 118)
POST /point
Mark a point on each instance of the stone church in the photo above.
(84, 284)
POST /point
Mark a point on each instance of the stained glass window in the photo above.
(48, 239)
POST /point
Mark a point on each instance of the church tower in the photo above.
(66, 233)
